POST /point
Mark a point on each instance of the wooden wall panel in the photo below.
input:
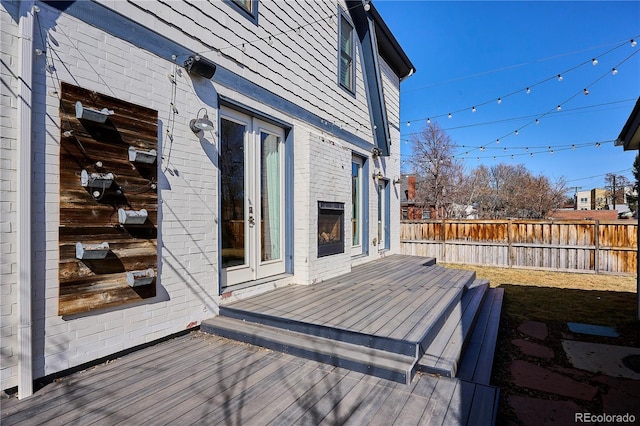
(99, 283)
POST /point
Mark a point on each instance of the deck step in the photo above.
(322, 331)
(387, 365)
(477, 360)
(443, 355)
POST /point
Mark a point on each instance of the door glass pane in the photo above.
(381, 203)
(355, 201)
(270, 197)
(232, 170)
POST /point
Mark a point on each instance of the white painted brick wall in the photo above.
(187, 243)
(187, 287)
(8, 176)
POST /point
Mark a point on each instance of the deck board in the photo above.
(215, 380)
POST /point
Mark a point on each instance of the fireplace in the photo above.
(330, 228)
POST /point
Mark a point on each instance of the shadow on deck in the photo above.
(390, 318)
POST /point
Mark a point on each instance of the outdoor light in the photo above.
(528, 90)
(203, 123)
(378, 175)
(195, 64)
(594, 61)
(396, 180)
(450, 115)
(633, 43)
(473, 109)
(586, 91)
(499, 100)
(559, 107)
(559, 77)
(614, 71)
(428, 121)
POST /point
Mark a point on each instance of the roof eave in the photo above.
(629, 136)
(389, 47)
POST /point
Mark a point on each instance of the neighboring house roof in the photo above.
(630, 135)
(389, 47)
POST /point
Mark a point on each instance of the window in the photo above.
(346, 50)
(426, 213)
(405, 214)
(248, 8)
(357, 203)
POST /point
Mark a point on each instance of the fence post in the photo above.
(444, 241)
(596, 241)
(509, 240)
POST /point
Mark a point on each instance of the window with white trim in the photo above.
(346, 54)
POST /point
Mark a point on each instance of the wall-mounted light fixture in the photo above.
(376, 152)
(203, 123)
(396, 180)
(140, 278)
(196, 64)
(97, 116)
(140, 156)
(377, 175)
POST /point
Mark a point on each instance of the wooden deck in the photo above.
(205, 379)
(396, 341)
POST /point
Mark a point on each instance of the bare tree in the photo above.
(506, 190)
(617, 186)
(439, 172)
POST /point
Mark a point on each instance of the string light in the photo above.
(614, 71)
(559, 107)
(408, 124)
(559, 77)
(633, 43)
(586, 91)
(428, 121)
(516, 132)
(498, 141)
(450, 115)
(537, 121)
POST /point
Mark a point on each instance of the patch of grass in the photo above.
(549, 296)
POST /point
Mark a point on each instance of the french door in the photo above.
(252, 198)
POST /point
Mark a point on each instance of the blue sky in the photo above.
(472, 53)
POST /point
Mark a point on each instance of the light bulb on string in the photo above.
(531, 155)
(551, 152)
(408, 124)
(512, 156)
(586, 91)
(517, 133)
(494, 158)
(633, 43)
(505, 150)
(614, 71)
(450, 115)
(482, 148)
(528, 90)
(499, 100)
(498, 141)
(594, 61)
(428, 121)
(473, 109)
(597, 144)
(527, 149)
(537, 121)
(573, 147)
(560, 77)
(559, 107)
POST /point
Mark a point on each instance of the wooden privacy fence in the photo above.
(568, 245)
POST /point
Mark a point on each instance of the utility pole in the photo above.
(614, 192)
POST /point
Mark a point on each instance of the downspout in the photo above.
(25, 82)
